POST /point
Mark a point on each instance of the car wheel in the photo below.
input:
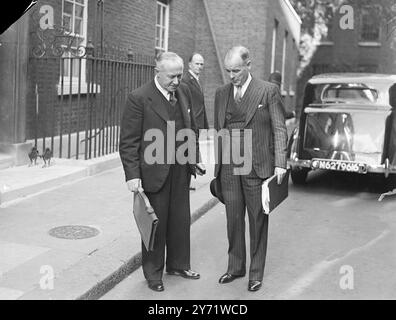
(299, 175)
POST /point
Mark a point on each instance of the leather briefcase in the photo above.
(146, 219)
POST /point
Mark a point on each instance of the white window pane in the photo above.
(163, 16)
(158, 14)
(158, 33)
(78, 26)
(79, 11)
(67, 23)
(80, 1)
(163, 38)
(68, 8)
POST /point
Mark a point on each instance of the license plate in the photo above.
(339, 165)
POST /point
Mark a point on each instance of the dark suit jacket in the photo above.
(198, 101)
(267, 122)
(145, 109)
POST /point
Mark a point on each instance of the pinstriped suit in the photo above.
(262, 107)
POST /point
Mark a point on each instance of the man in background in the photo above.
(191, 79)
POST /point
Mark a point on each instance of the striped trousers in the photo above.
(243, 192)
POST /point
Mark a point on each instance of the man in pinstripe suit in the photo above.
(245, 104)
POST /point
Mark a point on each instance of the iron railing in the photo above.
(79, 98)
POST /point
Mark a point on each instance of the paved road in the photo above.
(332, 239)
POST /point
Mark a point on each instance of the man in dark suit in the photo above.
(191, 79)
(250, 105)
(159, 106)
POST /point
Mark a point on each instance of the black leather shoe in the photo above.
(254, 285)
(188, 274)
(227, 278)
(156, 285)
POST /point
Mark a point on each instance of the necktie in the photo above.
(199, 85)
(238, 95)
(172, 98)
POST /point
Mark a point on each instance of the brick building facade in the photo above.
(138, 29)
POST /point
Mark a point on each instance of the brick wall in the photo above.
(182, 28)
(211, 78)
(233, 25)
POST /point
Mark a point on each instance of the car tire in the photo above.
(299, 175)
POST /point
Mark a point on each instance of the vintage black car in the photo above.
(347, 123)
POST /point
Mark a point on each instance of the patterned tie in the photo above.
(238, 95)
(172, 98)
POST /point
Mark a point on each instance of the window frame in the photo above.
(362, 40)
(284, 54)
(162, 25)
(274, 42)
(71, 79)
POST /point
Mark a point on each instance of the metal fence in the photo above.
(79, 99)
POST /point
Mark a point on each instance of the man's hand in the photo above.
(280, 173)
(134, 185)
(200, 169)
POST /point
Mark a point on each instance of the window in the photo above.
(74, 21)
(162, 27)
(293, 67)
(274, 40)
(349, 92)
(370, 24)
(284, 53)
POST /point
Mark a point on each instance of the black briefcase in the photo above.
(146, 219)
(273, 194)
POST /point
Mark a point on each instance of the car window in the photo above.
(344, 92)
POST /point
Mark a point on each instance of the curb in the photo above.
(135, 262)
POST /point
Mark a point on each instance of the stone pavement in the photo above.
(97, 245)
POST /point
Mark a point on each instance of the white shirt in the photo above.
(244, 86)
(194, 75)
(162, 90)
